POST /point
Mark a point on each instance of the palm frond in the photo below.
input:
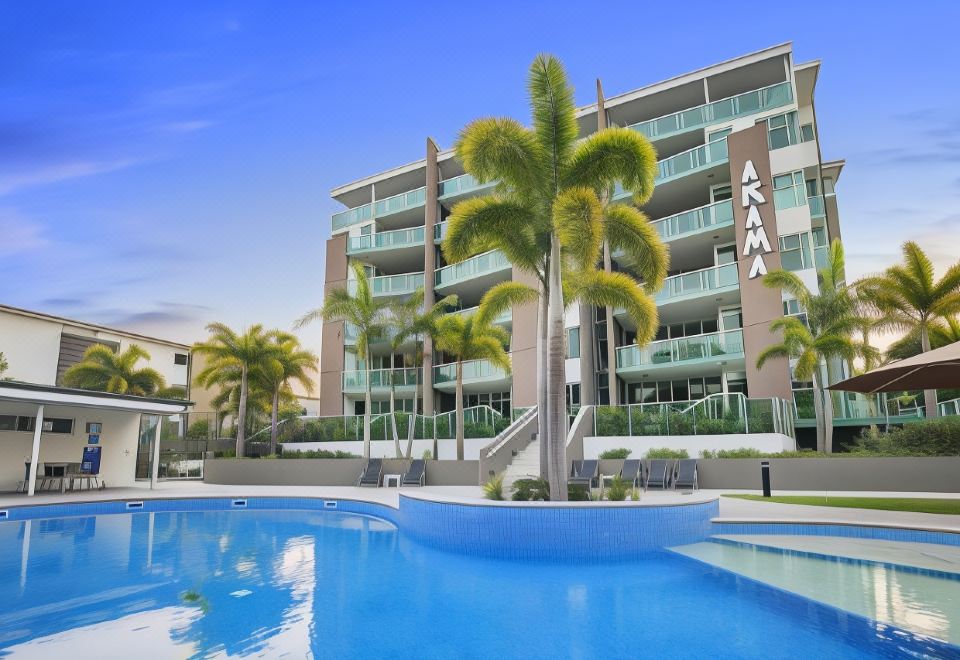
(629, 230)
(615, 155)
(577, 220)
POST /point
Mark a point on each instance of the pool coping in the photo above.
(834, 522)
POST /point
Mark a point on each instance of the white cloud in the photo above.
(188, 126)
(13, 181)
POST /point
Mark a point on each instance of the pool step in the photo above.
(922, 602)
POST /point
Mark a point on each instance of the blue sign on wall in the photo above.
(91, 460)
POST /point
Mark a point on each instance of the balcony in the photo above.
(391, 285)
(721, 349)
(474, 275)
(478, 376)
(759, 100)
(383, 208)
(716, 279)
(505, 319)
(385, 240)
(462, 185)
(687, 162)
(403, 380)
(687, 223)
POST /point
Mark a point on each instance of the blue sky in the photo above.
(163, 169)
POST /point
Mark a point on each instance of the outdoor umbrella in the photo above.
(933, 370)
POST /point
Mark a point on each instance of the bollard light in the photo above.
(765, 475)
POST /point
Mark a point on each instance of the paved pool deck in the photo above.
(731, 510)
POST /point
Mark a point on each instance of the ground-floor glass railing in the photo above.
(855, 407)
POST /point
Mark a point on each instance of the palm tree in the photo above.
(287, 362)
(370, 318)
(4, 365)
(909, 298)
(230, 359)
(548, 215)
(825, 336)
(411, 320)
(471, 337)
(941, 334)
(104, 370)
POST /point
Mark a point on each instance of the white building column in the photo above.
(155, 464)
(35, 452)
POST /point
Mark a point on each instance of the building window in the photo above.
(573, 395)
(8, 422)
(795, 252)
(719, 135)
(28, 424)
(789, 190)
(806, 132)
(726, 255)
(179, 358)
(828, 186)
(721, 193)
(782, 130)
(731, 319)
(573, 342)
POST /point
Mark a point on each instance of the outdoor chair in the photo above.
(584, 473)
(416, 474)
(659, 473)
(372, 474)
(632, 472)
(77, 476)
(686, 474)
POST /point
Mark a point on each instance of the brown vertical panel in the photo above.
(523, 347)
(331, 342)
(761, 305)
(431, 208)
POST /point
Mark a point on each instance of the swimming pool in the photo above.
(334, 584)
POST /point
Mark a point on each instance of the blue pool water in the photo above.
(339, 585)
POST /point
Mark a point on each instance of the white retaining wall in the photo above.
(694, 444)
(386, 448)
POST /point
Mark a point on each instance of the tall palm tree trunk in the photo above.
(929, 396)
(819, 413)
(556, 388)
(242, 413)
(459, 415)
(411, 427)
(274, 414)
(542, 347)
(393, 416)
(367, 405)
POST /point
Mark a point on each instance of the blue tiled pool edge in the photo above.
(591, 532)
(866, 632)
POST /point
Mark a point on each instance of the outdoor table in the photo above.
(395, 478)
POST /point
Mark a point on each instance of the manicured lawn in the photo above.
(917, 504)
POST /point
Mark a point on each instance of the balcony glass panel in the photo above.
(741, 105)
(708, 279)
(352, 216)
(387, 285)
(505, 317)
(816, 206)
(472, 370)
(386, 239)
(462, 184)
(713, 215)
(481, 264)
(357, 380)
(670, 351)
(688, 161)
(439, 231)
(401, 202)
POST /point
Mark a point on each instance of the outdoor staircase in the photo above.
(525, 465)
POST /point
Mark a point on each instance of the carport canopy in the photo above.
(44, 395)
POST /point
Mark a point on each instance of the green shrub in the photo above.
(318, 453)
(531, 489)
(666, 452)
(742, 452)
(199, 430)
(931, 437)
(617, 492)
(621, 452)
(611, 421)
(493, 489)
(226, 453)
(578, 494)
(635, 494)
(427, 455)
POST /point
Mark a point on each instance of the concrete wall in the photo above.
(694, 444)
(327, 471)
(934, 475)
(386, 448)
(119, 442)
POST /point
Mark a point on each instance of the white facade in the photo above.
(30, 342)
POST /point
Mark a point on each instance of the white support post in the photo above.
(155, 466)
(35, 452)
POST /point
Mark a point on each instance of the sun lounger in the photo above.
(372, 474)
(686, 474)
(659, 473)
(584, 472)
(416, 474)
(632, 472)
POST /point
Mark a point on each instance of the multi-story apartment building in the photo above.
(741, 188)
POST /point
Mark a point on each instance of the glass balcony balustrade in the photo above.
(748, 103)
(382, 378)
(391, 285)
(459, 185)
(473, 370)
(715, 215)
(488, 262)
(698, 281)
(383, 207)
(683, 349)
(400, 238)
